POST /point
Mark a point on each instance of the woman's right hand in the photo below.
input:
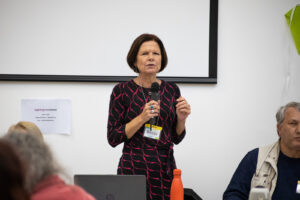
(134, 125)
(151, 109)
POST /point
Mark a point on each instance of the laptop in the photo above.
(113, 187)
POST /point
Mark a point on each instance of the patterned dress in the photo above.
(142, 155)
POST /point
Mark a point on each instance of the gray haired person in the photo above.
(43, 180)
(36, 154)
(274, 167)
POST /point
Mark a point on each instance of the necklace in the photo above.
(141, 87)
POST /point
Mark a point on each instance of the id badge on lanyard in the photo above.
(153, 132)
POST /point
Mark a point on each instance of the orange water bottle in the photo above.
(176, 192)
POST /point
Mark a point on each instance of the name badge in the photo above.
(153, 132)
(298, 188)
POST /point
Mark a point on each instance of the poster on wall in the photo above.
(52, 116)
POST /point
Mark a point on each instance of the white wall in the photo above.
(228, 119)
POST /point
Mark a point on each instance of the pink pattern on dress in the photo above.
(141, 155)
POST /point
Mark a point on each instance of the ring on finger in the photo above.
(152, 111)
(151, 107)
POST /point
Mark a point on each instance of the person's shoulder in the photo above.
(253, 151)
(80, 193)
(251, 156)
(122, 85)
(169, 85)
(53, 187)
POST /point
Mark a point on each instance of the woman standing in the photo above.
(148, 150)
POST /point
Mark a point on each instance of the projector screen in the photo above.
(88, 40)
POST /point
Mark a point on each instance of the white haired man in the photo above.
(276, 166)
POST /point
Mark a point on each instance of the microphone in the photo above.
(154, 96)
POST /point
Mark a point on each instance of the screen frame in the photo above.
(212, 62)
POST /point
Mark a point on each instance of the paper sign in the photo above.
(52, 116)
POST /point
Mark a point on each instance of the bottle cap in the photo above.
(177, 172)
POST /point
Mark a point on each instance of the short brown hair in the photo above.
(135, 47)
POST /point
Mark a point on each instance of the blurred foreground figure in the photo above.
(42, 174)
(12, 174)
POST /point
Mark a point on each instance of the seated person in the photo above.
(276, 166)
(42, 174)
(12, 174)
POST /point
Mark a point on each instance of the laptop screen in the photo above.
(113, 187)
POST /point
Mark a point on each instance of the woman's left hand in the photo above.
(183, 109)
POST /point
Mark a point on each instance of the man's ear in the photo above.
(278, 129)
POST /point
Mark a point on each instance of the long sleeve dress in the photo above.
(142, 155)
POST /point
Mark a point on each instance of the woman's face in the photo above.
(148, 59)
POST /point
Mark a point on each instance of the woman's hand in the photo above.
(183, 109)
(151, 109)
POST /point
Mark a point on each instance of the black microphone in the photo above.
(154, 96)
